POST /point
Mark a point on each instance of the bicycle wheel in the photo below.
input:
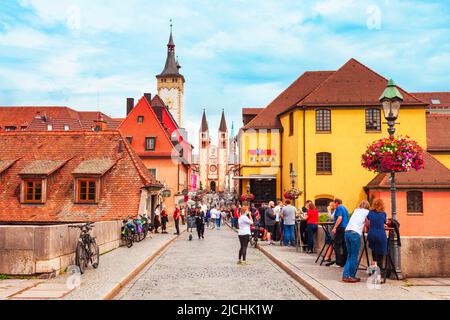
(95, 254)
(128, 237)
(80, 257)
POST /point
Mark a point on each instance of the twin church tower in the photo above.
(214, 162)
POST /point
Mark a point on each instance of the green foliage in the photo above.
(4, 277)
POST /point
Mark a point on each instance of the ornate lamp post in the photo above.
(293, 176)
(391, 100)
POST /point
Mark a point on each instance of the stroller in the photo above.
(190, 225)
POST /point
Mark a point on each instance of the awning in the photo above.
(256, 177)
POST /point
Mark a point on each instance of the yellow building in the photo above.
(326, 120)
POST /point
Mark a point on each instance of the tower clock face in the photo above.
(213, 168)
(169, 102)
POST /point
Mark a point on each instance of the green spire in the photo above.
(232, 129)
(391, 92)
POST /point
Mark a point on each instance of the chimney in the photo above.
(148, 96)
(130, 105)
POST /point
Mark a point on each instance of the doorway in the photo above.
(213, 186)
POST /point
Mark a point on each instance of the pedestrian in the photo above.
(176, 219)
(244, 223)
(208, 217)
(288, 214)
(277, 227)
(200, 223)
(213, 213)
(221, 214)
(376, 224)
(340, 223)
(235, 217)
(353, 234)
(270, 221)
(183, 215)
(328, 240)
(157, 219)
(304, 223)
(164, 220)
(312, 218)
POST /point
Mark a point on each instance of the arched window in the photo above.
(414, 200)
(323, 120)
(322, 204)
(373, 120)
(323, 163)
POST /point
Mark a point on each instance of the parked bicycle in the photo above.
(128, 231)
(87, 249)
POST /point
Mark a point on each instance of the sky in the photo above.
(92, 55)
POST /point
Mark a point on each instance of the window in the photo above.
(49, 127)
(66, 128)
(291, 124)
(153, 172)
(373, 120)
(130, 139)
(32, 191)
(323, 120)
(10, 128)
(140, 119)
(87, 191)
(322, 204)
(324, 163)
(414, 201)
(150, 143)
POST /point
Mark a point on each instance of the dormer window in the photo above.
(66, 127)
(435, 101)
(87, 190)
(49, 127)
(33, 191)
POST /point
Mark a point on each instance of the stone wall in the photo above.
(421, 257)
(30, 250)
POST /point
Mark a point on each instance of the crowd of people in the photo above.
(276, 223)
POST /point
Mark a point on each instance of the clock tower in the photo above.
(171, 83)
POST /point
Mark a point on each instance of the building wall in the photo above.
(433, 222)
(265, 140)
(444, 158)
(172, 93)
(167, 173)
(347, 142)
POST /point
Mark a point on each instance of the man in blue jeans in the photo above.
(288, 214)
(353, 234)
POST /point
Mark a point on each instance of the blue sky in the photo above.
(234, 53)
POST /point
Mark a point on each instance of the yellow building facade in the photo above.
(260, 163)
(324, 122)
(346, 142)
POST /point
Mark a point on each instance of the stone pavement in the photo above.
(327, 280)
(114, 267)
(207, 270)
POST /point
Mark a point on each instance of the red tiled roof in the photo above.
(435, 175)
(38, 119)
(353, 84)
(42, 167)
(120, 188)
(436, 100)
(438, 132)
(297, 91)
(251, 111)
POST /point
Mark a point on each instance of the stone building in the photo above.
(215, 162)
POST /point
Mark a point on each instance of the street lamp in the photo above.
(293, 176)
(391, 100)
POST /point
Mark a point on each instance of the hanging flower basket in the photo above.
(166, 193)
(247, 197)
(293, 194)
(399, 154)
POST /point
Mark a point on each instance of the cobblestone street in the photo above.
(207, 270)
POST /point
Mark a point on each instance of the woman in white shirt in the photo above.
(244, 222)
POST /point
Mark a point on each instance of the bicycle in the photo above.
(87, 250)
(128, 230)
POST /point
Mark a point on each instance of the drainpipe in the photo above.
(281, 163)
(304, 154)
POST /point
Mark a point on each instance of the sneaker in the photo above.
(239, 262)
(357, 279)
(349, 280)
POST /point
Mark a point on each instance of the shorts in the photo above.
(271, 229)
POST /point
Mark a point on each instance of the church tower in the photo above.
(171, 83)
(203, 157)
(223, 152)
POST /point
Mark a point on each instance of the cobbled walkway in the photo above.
(207, 270)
